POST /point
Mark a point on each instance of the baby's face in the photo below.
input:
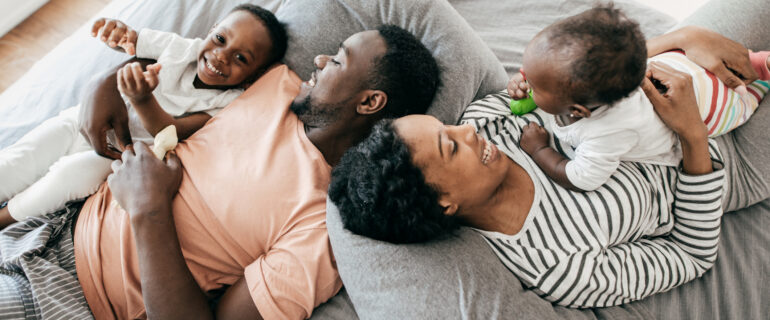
(234, 50)
(546, 79)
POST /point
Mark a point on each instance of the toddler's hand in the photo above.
(136, 84)
(533, 138)
(115, 34)
(517, 87)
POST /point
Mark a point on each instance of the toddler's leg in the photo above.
(28, 159)
(72, 177)
(761, 63)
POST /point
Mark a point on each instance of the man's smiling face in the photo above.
(339, 81)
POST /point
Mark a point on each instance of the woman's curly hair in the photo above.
(382, 195)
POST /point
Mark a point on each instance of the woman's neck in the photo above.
(508, 208)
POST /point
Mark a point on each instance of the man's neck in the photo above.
(336, 138)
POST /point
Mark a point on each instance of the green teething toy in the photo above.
(523, 106)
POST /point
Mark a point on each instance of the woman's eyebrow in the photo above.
(440, 149)
(344, 48)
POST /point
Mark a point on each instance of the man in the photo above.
(246, 228)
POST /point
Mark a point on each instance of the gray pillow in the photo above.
(456, 278)
(469, 69)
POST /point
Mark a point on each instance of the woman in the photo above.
(648, 230)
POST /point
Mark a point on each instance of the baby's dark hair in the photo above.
(607, 50)
(275, 28)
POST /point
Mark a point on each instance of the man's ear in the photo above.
(372, 102)
(449, 207)
(579, 111)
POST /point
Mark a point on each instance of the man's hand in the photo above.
(142, 184)
(517, 87)
(136, 84)
(533, 138)
(115, 34)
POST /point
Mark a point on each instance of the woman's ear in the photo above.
(449, 208)
(579, 111)
(372, 102)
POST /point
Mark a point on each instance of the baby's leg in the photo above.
(761, 63)
(22, 163)
(72, 177)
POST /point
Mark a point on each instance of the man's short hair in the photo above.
(607, 53)
(276, 29)
(407, 72)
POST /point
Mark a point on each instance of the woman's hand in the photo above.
(678, 109)
(725, 58)
(677, 106)
(142, 184)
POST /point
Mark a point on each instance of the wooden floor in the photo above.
(34, 37)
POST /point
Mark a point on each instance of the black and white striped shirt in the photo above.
(647, 230)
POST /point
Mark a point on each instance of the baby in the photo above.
(53, 163)
(587, 70)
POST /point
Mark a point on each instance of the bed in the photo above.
(479, 44)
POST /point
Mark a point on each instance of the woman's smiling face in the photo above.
(465, 168)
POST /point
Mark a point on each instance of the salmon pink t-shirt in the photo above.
(252, 204)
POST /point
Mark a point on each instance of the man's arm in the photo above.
(102, 109)
(145, 187)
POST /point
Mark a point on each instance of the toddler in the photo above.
(53, 163)
(587, 70)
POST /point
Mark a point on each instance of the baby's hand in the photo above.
(517, 87)
(135, 84)
(115, 34)
(533, 138)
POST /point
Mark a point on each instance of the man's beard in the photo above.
(314, 115)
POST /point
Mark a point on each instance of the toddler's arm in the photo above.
(115, 34)
(137, 86)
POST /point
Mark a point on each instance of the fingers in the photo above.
(652, 92)
(138, 76)
(729, 78)
(104, 149)
(741, 67)
(673, 79)
(173, 162)
(115, 165)
(151, 75)
(142, 149)
(127, 154)
(128, 42)
(98, 24)
(122, 133)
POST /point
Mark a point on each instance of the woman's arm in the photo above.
(145, 187)
(727, 59)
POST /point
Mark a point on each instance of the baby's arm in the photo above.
(137, 86)
(115, 34)
(534, 141)
(596, 158)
